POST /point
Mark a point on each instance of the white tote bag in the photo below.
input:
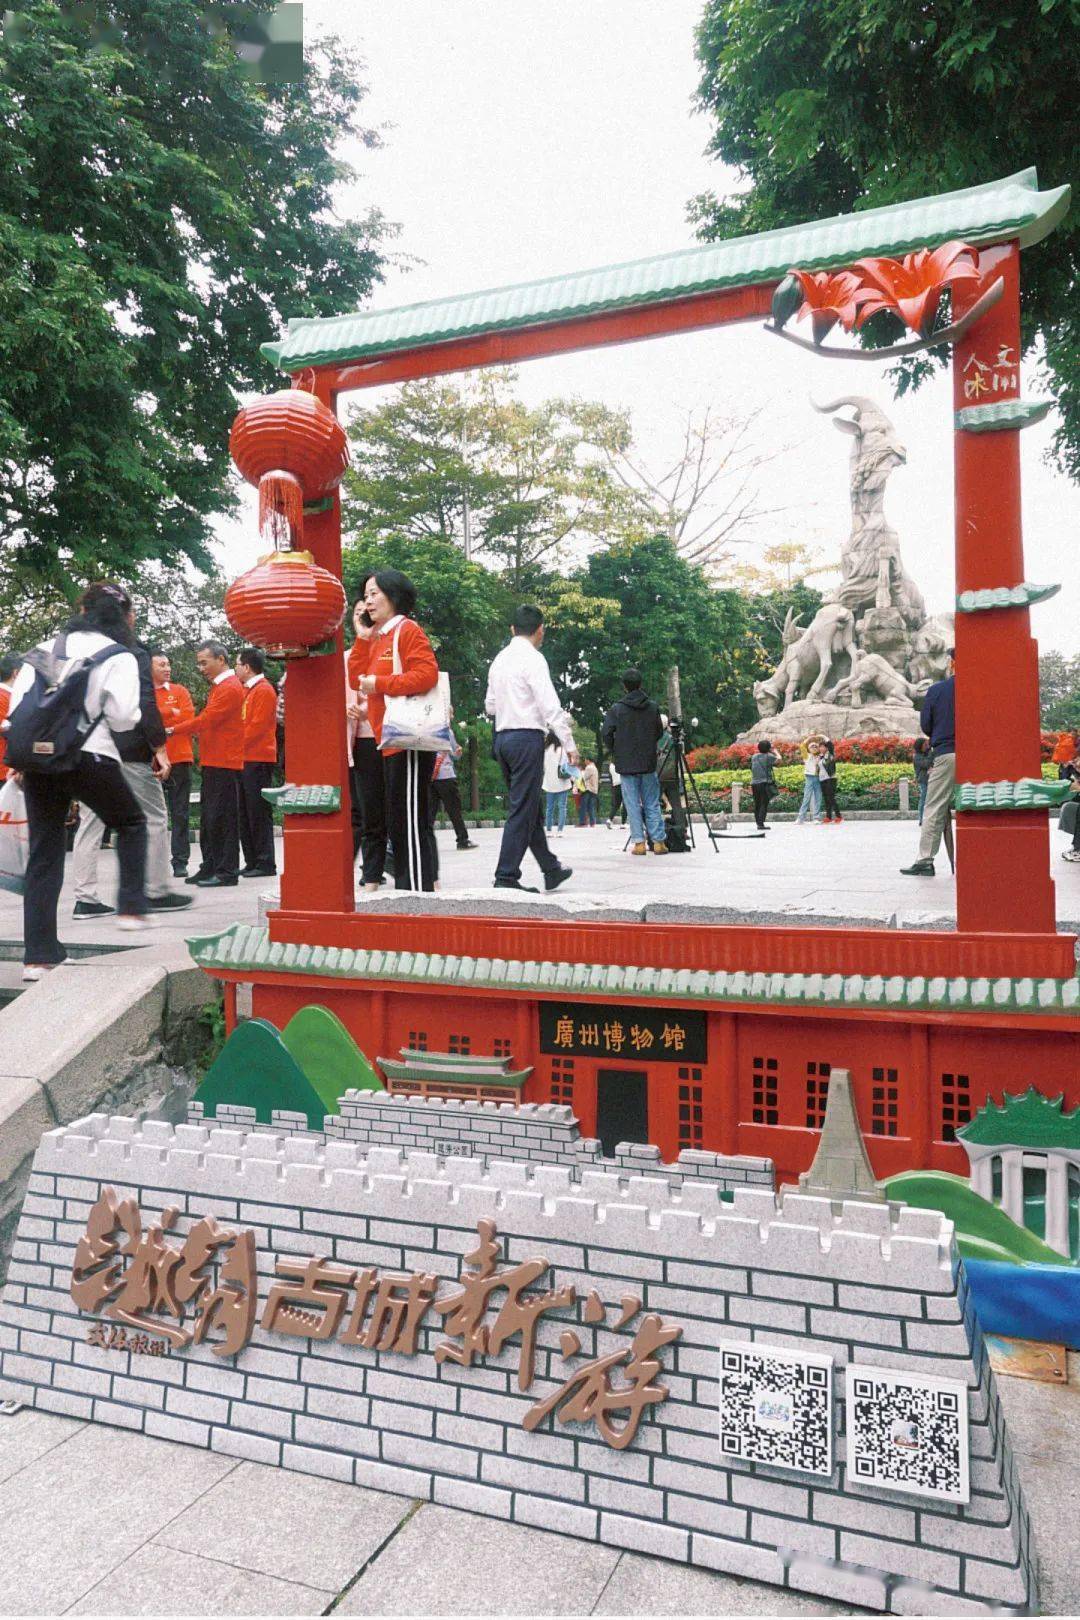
(421, 721)
(14, 837)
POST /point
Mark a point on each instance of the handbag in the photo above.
(771, 789)
(567, 772)
(418, 721)
(14, 837)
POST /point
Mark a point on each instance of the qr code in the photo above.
(908, 1433)
(776, 1407)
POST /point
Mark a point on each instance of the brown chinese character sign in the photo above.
(642, 1034)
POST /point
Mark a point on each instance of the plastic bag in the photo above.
(421, 721)
(14, 837)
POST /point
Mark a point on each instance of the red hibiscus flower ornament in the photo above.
(829, 297)
(911, 287)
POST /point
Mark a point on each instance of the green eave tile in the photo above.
(1002, 416)
(248, 949)
(996, 212)
(304, 801)
(1004, 596)
(1029, 793)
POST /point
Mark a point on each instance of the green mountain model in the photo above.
(254, 1069)
(983, 1231)
(328, 1055)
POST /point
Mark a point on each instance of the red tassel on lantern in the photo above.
(281, 509)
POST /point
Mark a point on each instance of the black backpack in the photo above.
(50, 724)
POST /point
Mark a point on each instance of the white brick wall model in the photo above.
(533, 1133)
(867, 1285)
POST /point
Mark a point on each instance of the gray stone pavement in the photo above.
(100, 1521)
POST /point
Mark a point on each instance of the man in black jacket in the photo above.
(632, 729)
(145, 766)
(938, 721)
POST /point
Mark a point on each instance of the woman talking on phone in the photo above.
(398, 661)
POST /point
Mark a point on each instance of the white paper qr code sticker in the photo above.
(907, 1432)
(776, 1407)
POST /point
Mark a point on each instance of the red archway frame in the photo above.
(1003, 880)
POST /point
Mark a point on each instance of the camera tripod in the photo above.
(682, 783)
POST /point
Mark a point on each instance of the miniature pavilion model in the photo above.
(691, 1036)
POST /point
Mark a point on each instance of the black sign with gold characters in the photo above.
(642, 1034)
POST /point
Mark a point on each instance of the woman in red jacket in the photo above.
(389, 600)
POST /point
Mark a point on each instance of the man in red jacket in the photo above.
(260, 757)
(220, 730)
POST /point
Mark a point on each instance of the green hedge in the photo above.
(849, 778)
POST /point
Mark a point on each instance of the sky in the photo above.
(527, 138)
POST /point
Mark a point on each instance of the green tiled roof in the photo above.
(1029, 793)
(1031, 1120)
(1004, 596)
(248, 949)
(996, 212)
(309, 800)
(1003, 415)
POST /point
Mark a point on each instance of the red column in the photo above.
(318, 873)
(1003, 880)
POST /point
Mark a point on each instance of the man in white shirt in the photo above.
(524, 707)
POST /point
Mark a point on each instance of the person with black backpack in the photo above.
(70, 696)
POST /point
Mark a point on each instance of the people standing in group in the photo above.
(367, 778)
(558, 774)
(811, 799)
(260, 757)
(827, 757)
(1064, 753)
(590, 794)
(100, 636)
(631, 733)
(145, 766)
(399, 662)
(1070, 771)
(220, 730)
(446, 793)
(617, 807)
(524, 708)
(174, 705)
(9, 669)
(763, 785)
(938, 721)
(922, 759)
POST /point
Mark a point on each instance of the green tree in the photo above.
(828, 107)
(160, 215)
(1059, 691)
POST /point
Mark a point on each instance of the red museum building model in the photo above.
(684, 1035)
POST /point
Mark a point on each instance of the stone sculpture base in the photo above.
(802, 719)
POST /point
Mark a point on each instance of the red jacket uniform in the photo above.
(220, 726)
(419, 669)
(5, 705)
(260, 722)
(174, 705)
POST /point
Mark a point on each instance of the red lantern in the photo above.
(293, 448)
(286, 604)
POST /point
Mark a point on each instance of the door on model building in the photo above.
(622, 1108)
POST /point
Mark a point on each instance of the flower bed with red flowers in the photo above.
(849, 751)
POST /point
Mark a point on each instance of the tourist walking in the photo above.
(174, 704)
(145, 766)
(938, 721)
(922, 759)
(631, 732)
(446, 793)
(98, 639)
(828, 780)
(558, 774)
(590, 794)
(524, 708)
(400, 663)
(220, 730)
(763, 788)
(367, 778)
(811, 799)
(260, 757)
(9, 668)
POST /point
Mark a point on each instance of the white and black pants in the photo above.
(408, 816)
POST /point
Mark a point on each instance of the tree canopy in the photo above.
(160, 215)
(827, 107)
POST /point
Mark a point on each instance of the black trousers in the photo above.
(408, 813)
(256, 816)
(448, 794)
(367, 791)
(178, 797)
(219, 823)
(760, 794)
(99, 784)
(521, 758)
(828, 795)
